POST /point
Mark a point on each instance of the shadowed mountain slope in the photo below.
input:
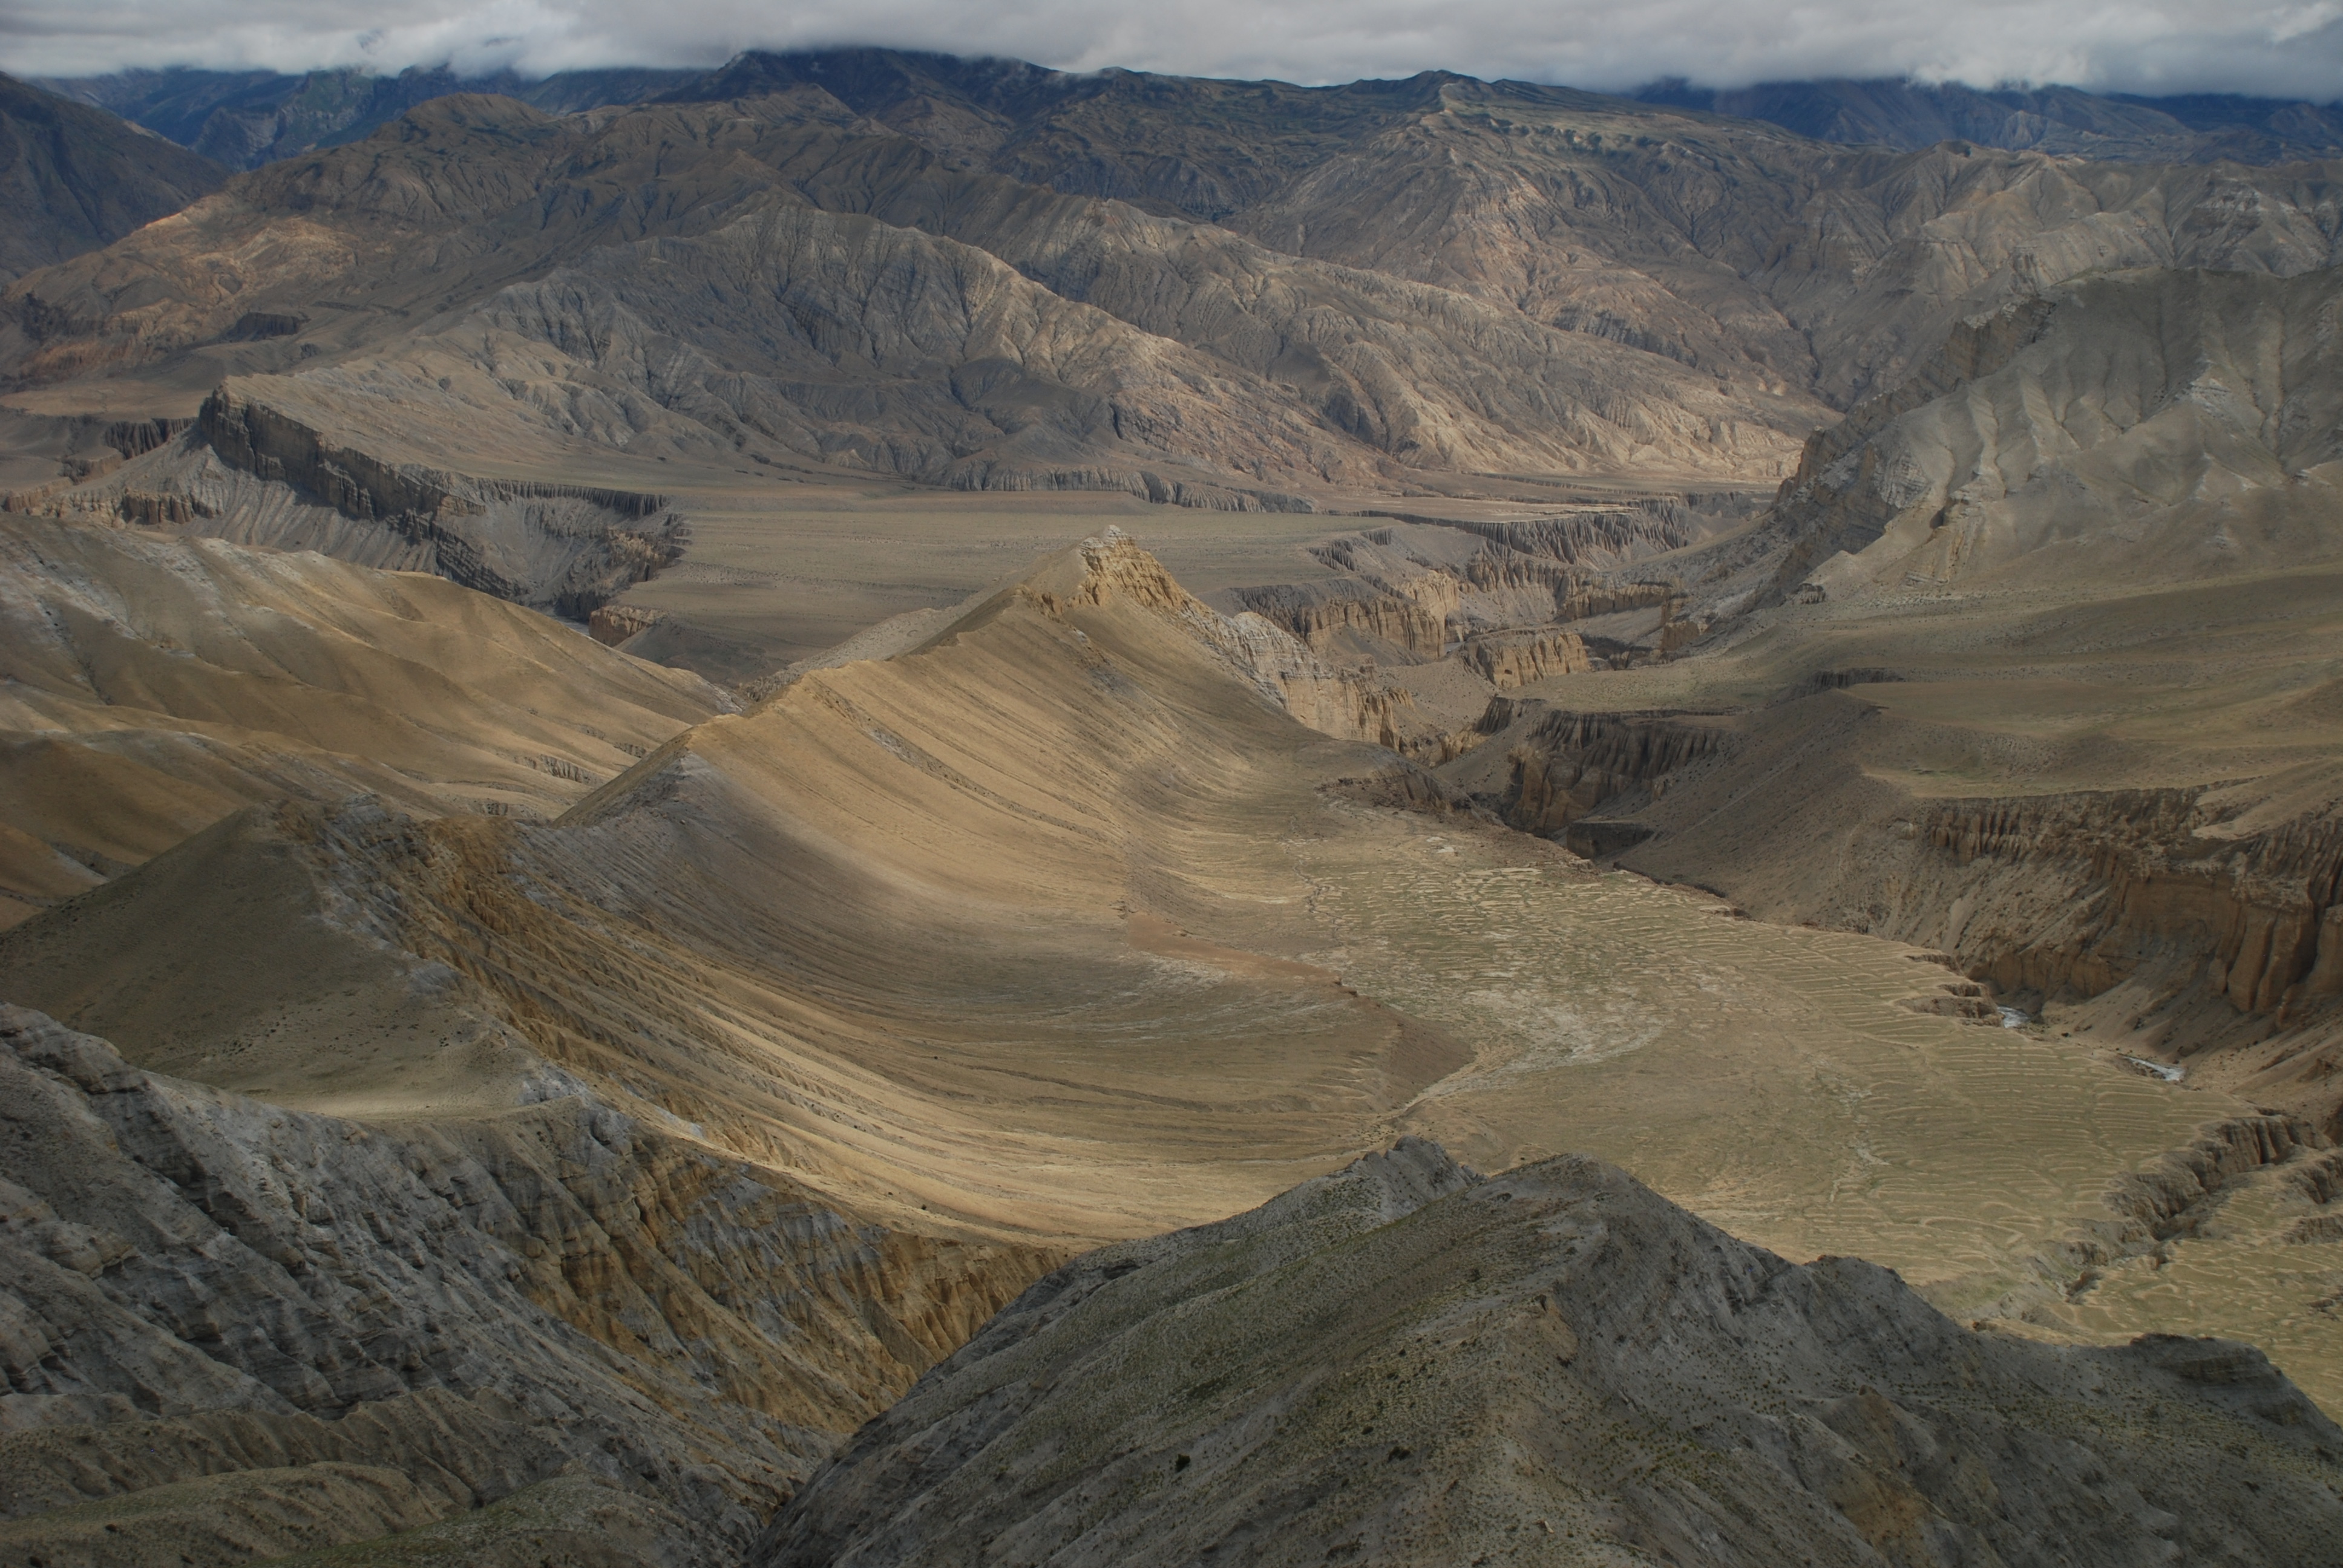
(74, 179)
(1406, 1363)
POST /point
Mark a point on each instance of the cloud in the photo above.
(2281, 47)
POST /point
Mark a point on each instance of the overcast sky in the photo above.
(2284, 48)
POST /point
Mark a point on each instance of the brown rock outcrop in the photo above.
(1542, 768)
(2148, 875)
(1511, 659)
(615, 623)
(1318, 614)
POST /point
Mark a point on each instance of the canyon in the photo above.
(872, 807)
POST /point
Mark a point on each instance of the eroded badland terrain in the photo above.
(883, 809)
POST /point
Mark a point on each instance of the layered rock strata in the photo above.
(254, 473)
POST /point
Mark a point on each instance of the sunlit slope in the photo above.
(913, 927)
(153, 685)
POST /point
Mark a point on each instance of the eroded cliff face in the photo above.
(1320, 618)
(257, 471)
(1502, 604)
(2197, 917)
(1511, 658)
(1542, 768)
(2202, 919)
(2147, 875)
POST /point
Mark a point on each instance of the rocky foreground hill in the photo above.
(1407, 1364)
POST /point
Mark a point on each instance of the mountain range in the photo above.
(245, 118)
(636, 929)
(994, 276)
(73, 179)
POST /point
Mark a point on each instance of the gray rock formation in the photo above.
(1407, 1364)
(235, 1330)
(2153, 424)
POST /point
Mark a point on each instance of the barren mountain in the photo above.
(2203, 127)
(1756, 256)
(1405, 1364)
(1239, 137)
(1623, 219)
(244, 119)
(74, 179)
(1373, 377)
(494, 1099)
(2142, 425)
